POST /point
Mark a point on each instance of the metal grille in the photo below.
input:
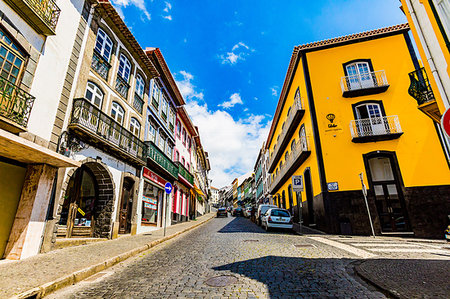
(15, 103)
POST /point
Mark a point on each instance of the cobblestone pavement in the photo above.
(265, 265)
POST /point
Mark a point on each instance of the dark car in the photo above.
(237, 212)
(222, 212)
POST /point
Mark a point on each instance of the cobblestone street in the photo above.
(265, 265)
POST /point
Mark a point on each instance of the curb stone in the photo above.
(391, 293)
(47, 288)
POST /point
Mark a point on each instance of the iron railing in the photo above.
(363, 81)
(296, 106)
(420, 88)
(138, 103)
(92, 119)
(15, 103)
(47, 10)
(100, 65)
(300, 146)
(182, 171)
(122, 86)
(158, 157)
(375, 126)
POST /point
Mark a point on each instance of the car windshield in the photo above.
(280, 213)
(222, 209)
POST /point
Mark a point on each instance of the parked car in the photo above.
(222, 212)
(277, 218)
(237, 212)
(247, 212)
(262, 209)
(229, 209)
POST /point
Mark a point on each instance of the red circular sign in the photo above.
(445, 122)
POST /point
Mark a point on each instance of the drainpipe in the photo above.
(428, 56)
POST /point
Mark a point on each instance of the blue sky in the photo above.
(230, 58)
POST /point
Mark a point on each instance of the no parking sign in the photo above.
(445, 122)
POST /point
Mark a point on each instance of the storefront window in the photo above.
(150, 200)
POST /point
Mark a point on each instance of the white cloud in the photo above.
(235, 98)
(169, 17)
(187, 88)
(274, 91)
(140, 4)
(166, 10)
(238, 52)
(233, 145)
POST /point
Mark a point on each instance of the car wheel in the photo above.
(267, 228)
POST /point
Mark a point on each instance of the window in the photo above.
(140, 85)
(151, 132)
(292, 145)
(443, 11)
(370, 118)
(135, 126)
(188, 167)
(162, 143)
(103, 45)
(177, 156)
(183, 139)
(178, 128)
(189, 143)
(286, 155)
(171, 119)
(11, 59)
(124, 68)
(164, 105)
(182, 160)
(289, 111)
(358, 75)
(169, 150)
(303, 140)
(94, 94)
(117, 112)
(155, 95)
(297, 95)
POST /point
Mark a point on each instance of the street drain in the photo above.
(251, 240)
(304, 246)
(221, 281)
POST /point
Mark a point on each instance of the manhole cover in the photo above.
(251, 240)
(221, 281)
(304, 245)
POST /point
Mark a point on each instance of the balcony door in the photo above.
(387, 190)
(369, 120)
(359, 75)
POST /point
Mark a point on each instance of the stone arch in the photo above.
(104, 205)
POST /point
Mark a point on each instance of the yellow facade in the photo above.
(421, 159)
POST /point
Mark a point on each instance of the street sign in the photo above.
(333, 186)
(168, 187)
(297, 183)
(445, 122)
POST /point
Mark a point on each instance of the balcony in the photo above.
(159, 160)
(100, 65)
(122, 86)
(420, 90)
(42, 15)
(295, 115)
(15, 107)
(185, 174)
(295, 158)
(364, 84)
(138, 103)
(375, 129)
(99, 129)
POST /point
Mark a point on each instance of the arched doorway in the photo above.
(77, 214)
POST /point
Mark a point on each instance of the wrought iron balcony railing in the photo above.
(375, 129)
(100, 65)
(420, 88)
(362, 84)
(122, 86)
(300, 151)
(183, 172)
(102, 127)
(296, 112)
(159, 158)
(138, 103)
(42, 15)
(15, 103)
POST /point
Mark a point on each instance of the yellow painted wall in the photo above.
(311, 161)
(11, 182)
(442, 45)
(420, 156)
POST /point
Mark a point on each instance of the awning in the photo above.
(198, 190)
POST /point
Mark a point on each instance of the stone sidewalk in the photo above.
(44, 273)
(408, 278)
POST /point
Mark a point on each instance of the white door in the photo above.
(370, 120)
(359, 76)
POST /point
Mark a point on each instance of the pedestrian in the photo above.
(252, 215)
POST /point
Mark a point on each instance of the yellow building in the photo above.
(345, 110)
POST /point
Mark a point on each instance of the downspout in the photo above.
(428, 56)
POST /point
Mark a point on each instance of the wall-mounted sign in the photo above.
(297, 183)
(333, 186)
(151, 176)
(168, 187)
(332, 125)
(331, 117)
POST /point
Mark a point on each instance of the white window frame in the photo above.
(117, 112)
(443, 11)
(124, 67)
(97, 94)
(101, 46)
(139, 86)
(135, 126)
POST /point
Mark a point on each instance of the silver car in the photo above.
(277, 218)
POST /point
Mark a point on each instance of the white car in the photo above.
(262, 209)
(277, 218)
